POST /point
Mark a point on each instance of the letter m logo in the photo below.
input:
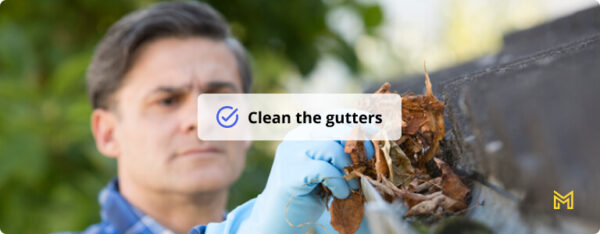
(558, 199)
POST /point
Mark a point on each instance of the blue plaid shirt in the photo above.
(119, 216)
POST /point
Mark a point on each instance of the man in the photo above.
(143, 82)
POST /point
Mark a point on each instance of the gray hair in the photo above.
(116, 52)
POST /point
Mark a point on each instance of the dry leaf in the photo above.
(436, 126)
(452, 205)
(452, 186)
(427, 207)
(433, 205)
(381, 164)
(385, 88)
(400, 166)
(355, 148)
(423, 123)
(423, 187)
(347, 214)
(436, 185)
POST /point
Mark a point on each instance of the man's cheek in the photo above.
(144, 145)
(153, 131)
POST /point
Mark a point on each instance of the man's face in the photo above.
(156, 117)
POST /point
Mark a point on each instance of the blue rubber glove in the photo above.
(298, 169)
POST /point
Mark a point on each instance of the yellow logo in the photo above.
(558, 199)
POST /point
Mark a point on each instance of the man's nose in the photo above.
(189, 117)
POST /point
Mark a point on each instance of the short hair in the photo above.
(116, 51)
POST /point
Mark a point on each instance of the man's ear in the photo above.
(104, 124)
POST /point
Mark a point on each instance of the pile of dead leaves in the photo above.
(398, 170)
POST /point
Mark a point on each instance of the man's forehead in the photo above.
(192, 64)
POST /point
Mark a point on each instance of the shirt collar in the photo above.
(123, 216)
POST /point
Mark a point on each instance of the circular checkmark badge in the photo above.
(225, 118)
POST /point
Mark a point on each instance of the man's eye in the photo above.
(169, 101)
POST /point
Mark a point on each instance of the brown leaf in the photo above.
(353, 170)
(385, 188)
(423, 123)
(422, 187)
(433, 205)
(400, 166)
(450, 204)
(413, 114)
(381, 165)
(435, 129)
(355, 148)
(452, 186)
(429, 91)
(385, 88)
(347, 214)
(427, 207)
(436, 185)
(411, 146)
(410, 198)
(413, 184)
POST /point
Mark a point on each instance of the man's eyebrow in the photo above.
(219, 85)
(211, 87)
(171, 89)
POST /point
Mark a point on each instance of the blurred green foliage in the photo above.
(50, 170)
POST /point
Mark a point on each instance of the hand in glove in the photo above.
(293, 185)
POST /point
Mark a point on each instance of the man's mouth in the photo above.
(202, 151)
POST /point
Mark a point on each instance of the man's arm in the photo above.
(291, 197)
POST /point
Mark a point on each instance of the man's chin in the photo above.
(203, 180)
(204, 173)
(200, 187)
